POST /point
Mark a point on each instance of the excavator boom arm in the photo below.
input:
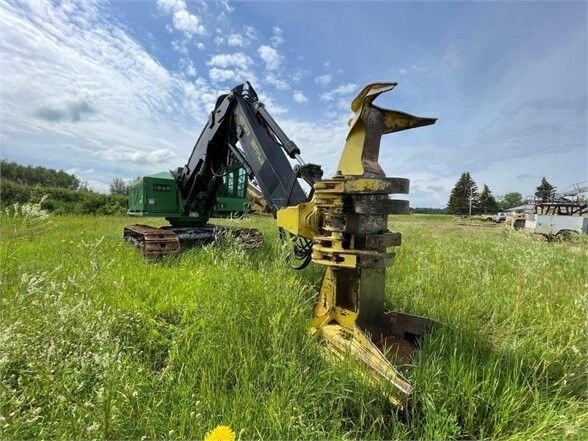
(241, 132)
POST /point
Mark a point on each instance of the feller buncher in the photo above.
(341, 224)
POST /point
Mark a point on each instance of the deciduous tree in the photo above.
(509, 200)
(119, 186)
(45, 177)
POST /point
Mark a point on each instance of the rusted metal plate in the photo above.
(364, 185)
(375, 259)
(402, 324)
(356, 223)
(384, 240)
(380, 206)
(398, 334)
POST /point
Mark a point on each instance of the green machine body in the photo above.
(158, 196)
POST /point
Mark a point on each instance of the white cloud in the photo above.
(343, 90)
(187, 23)
(250, 32)
(323, 80)
(187, 67)
(121, 153)
(236, 40)
(299, 97)
(270, 56)
(98, 186)
(329, 135)
(190, 70)
(276, 82)
(230, 67)
(200, 46)
(227, 6)
(179, 47)
(200, 91)
(344, 103)
(238, 59)
(219, 75)
(417, 68)
(219, 40)
(298, 74)
(277, 36)
(271, 105)
(182, 20)
(171, 6)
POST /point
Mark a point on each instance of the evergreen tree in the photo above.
(486, 201)
(509, 200)
(545, 190)
(459, 200)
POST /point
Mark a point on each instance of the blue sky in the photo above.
(104, 89)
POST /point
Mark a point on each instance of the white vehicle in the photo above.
(500, 217)
(552, 225)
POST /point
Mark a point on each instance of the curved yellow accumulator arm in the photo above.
(369, 123)
(348, 222)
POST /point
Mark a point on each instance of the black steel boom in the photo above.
(241, 132)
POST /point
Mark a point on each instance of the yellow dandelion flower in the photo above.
(220, 433)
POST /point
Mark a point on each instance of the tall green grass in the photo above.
(96, 342)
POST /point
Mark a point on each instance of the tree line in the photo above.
(465, 197)
(46, 177)
(66, 194)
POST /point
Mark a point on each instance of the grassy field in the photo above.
(97, 343)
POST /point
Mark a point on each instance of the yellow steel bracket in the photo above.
(301, 219)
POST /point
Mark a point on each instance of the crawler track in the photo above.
(153, 242)
(165, 241)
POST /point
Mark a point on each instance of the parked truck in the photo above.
(551, 225)
(561, 214)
